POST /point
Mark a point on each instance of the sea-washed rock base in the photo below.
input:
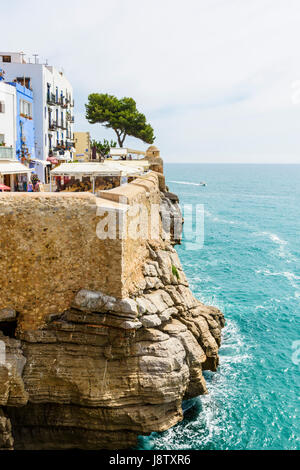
(107, 370)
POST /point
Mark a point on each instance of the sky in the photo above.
(219, 80)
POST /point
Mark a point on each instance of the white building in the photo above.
(8, 121)
(53, 104)
(12, 172)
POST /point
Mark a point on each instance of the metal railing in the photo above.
(51, 99)
(52, 125)
(7, 153)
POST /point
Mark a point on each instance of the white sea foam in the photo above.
(222, 220)
(291, 277)
(283, 251)
(275, 238)
(211, 421)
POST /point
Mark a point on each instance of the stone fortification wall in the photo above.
(50, 248)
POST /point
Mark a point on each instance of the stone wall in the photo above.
(50, 248)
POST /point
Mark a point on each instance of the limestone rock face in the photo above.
(171, 216)
(12, 390)
(107, 370)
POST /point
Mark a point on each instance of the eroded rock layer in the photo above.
(106, 370)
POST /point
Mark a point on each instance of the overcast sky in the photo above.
(219, 80)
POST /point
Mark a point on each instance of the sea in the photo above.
(249, 267)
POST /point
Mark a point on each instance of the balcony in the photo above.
(51, 99)
(52, 125)
(7, 153)
(62, 102)
(61, 125)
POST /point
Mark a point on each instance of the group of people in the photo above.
(34, 184)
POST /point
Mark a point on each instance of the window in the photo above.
(2, 107)
(25, 108)
(48, 92)
(2, 138)
(24, 81)
(6, 58)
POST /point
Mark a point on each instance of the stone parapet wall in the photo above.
(49, 248)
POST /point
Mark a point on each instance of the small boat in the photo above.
(202, 183)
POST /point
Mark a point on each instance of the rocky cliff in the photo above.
(103, 369)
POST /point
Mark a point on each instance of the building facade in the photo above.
(8, 121)
(53, 105)
(13, 174)
(25, 136)
(82, 142)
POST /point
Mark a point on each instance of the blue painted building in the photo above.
(25, 144)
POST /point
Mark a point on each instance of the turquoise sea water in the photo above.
(249, 267)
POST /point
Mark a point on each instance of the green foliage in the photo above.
(103, 147)
(120, 115)
(175, 271)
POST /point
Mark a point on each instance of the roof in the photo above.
(121, 151)
(107, 168)
(11, 168)
(130, 163)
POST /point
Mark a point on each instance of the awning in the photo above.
(86, 169)
(13, 168)
(62, 155)
(52, 160)
(132, 165)
(40, 162)
(64, 158)
(121, 152)
(106, 168)
(3, 187)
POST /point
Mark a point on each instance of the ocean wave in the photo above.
(212, 300)
(283, 251)
(210, 420)
(291, 277)
(222, 220)
(275, 238)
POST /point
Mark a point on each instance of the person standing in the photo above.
(37, 186)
